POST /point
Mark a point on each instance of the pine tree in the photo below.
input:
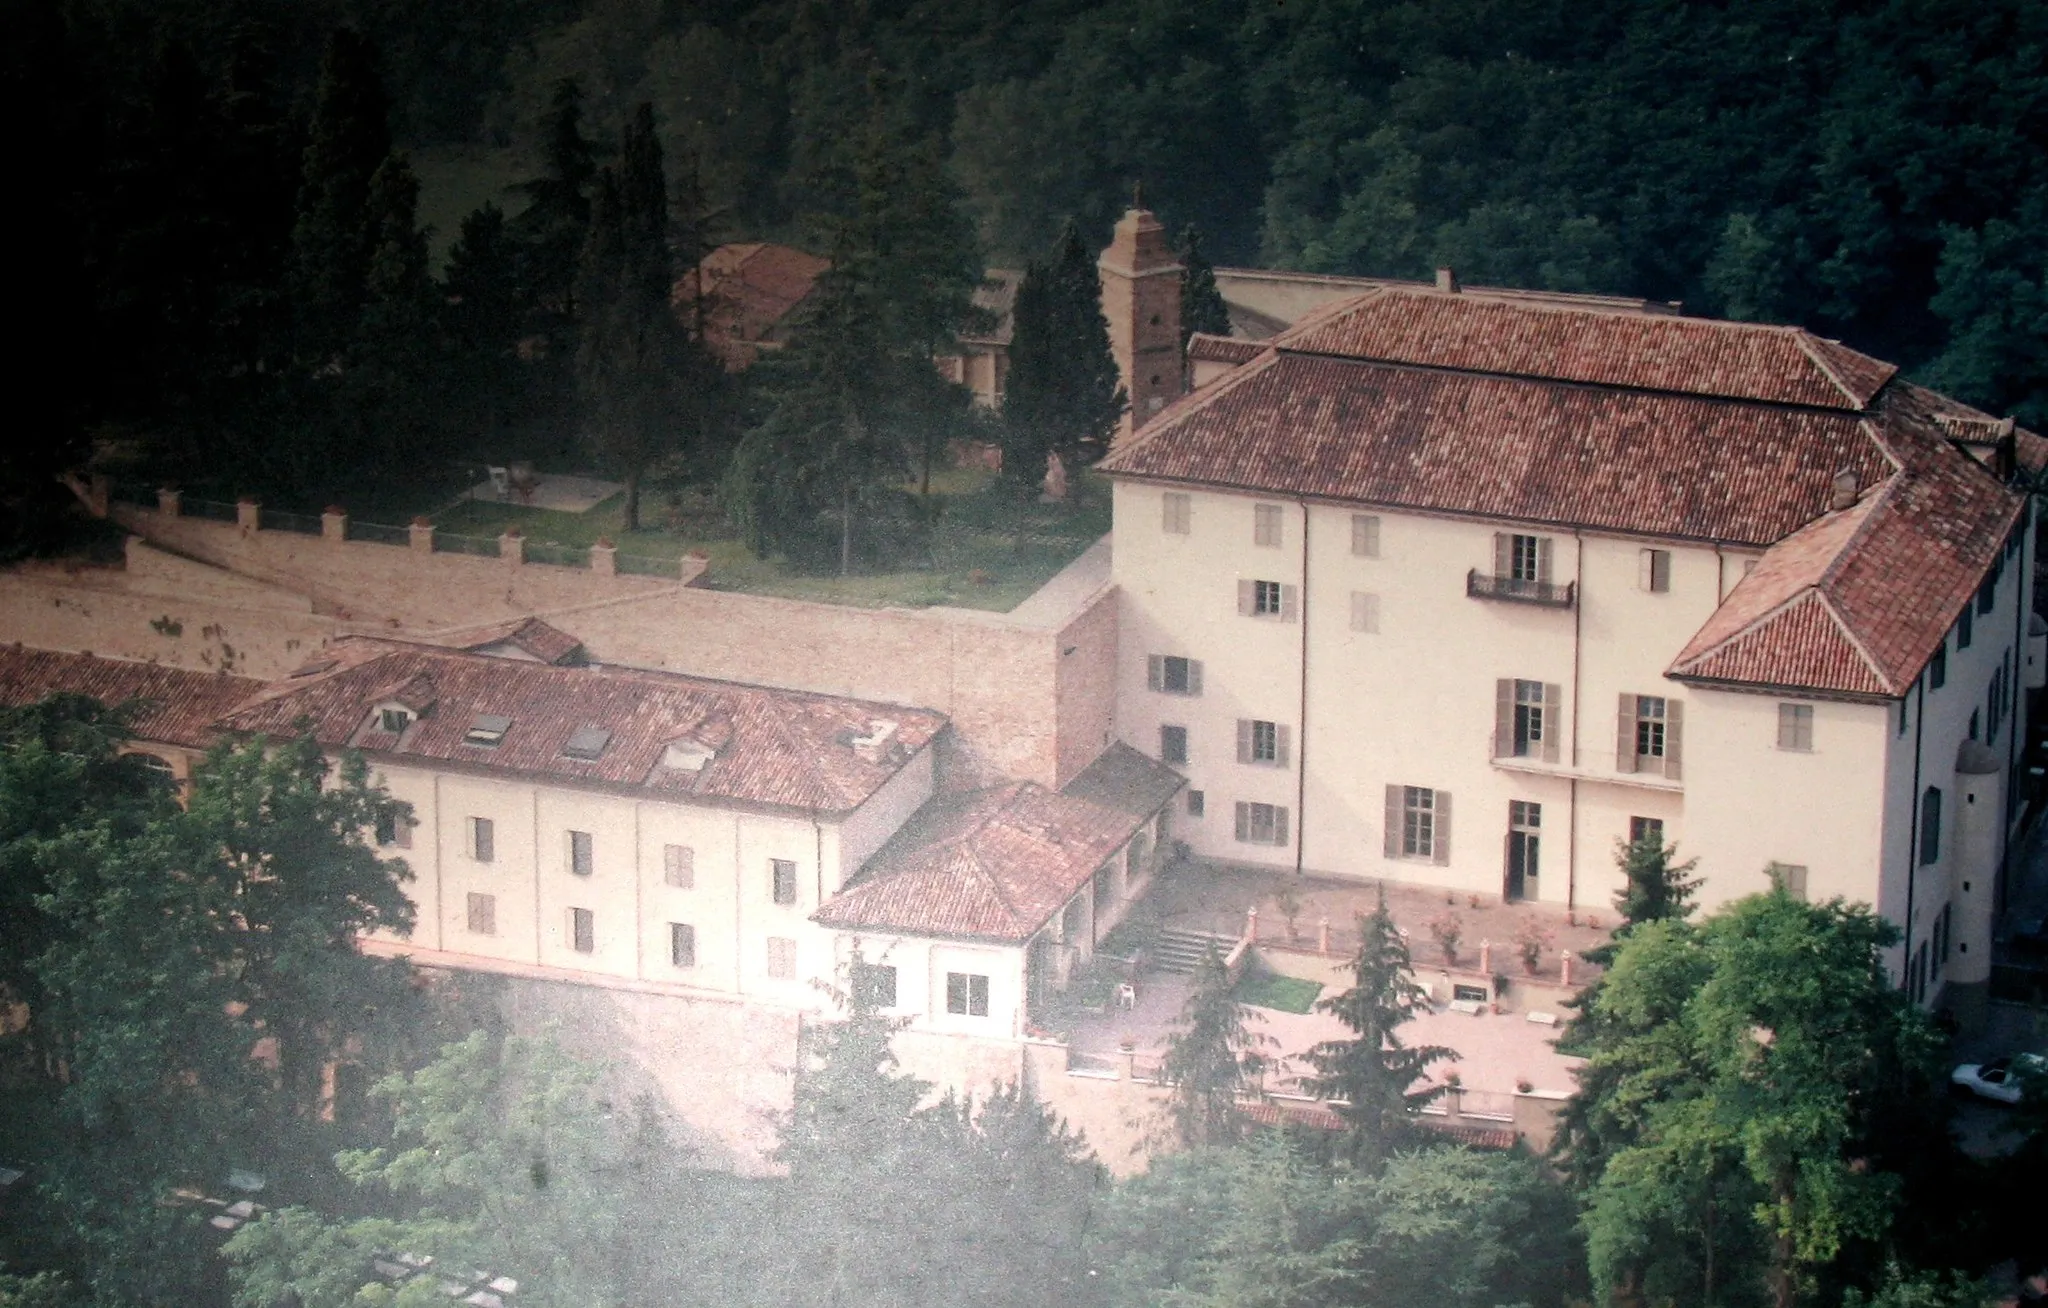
(1373, 1071)
(350, 138)
(483, 321)
(1063, 395)
(392, 397)
(1656, 888)
(1201, 303)
(554, 224)
(1212, 1058)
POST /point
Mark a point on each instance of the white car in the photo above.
(2002, 1079)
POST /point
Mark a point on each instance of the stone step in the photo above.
(1182, 951)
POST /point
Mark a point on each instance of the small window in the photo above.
(582, 856)
(1266, 525)
(1266, 599)
(1641, 829)
(1263, 743)
(487, 731)
(482, 840)
(1650, 726)
(679, 866)
(1173, 744)
(782, 958)
(1173, 675)
(483, 914)
(782, 872)
(1937, 667)
(1966, 628)
(1418, 822)
(1525, 558)
(1197, 803)
(1791, 878)
(1528, 723)
(1975, 717)
(1905, 714)
(387, 828)
(1261, 824)
(874, 984)
(1930, 825)
(1176, 513)
(682, 944)
(394, 720)
(967, 994)
(583, 930)
(1656, 571)
(1987, 594)
(1795, 726)
(1365, 535)
(1365, 612)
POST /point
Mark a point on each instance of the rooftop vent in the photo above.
(1447, 281)
(1842, 494)
(587, 742)
(875, 746)
(488, 730)
(687, 755)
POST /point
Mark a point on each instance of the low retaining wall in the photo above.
(1523, 994)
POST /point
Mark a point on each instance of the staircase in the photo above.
(1179, 951)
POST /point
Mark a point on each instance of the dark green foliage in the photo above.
(1212, 1058)
(334, 237)
(1063, 395)
(1201, 304)
(1373, 1071)
(483, 316)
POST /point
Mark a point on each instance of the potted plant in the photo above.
(1531, 939)
(1289, 905)
(1523, 1085)
(1448, 928)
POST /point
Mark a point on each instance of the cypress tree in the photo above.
(392, 397)
(556, 219)
(1201, 304)
(483, 317)
(1212, 1058)
(1063, 395)
(332, 241)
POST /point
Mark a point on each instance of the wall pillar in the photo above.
(1973, 886)
(168, 501)
(604, 558)
(421, 535)
(334, 523)
(1251, 924)
(248, 515)
(512, 546)
(1323, 935)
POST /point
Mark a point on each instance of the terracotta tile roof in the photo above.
(531, 636)
(1858, 602)
(749, 290)
(769, 747)
(1663, 352)
(1509, 448)
(1205, 348)
(1126, 780)
(992, 864)
(179, 705)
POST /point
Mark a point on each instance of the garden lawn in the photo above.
(1285, 993)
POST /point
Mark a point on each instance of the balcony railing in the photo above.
(1485, 585)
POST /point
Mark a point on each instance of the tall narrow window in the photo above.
(1261, 824)
(1266, 525)
(1418, 824)
(1365, 611)
(1937, 667)
(1175, 513)
(1647, 735)
(1365, 535)
(1529, 724)
(1173, 744)
(1525, 843)
(782, 875)
(1526, 719)
(1795, 727)
(679, 866)
(483, 914)
(1930, 825)
(482, 840)
(582, 857)
(1197, 803)
(1966, 628)
(1656, 571)
(583, 930)
(1173, 675)
(682, 944)
(1525, 558)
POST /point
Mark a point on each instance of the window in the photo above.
(582, 858)
(1261, 824)
(1974, 727)
(1525, 841)
(1365, 611)
(1266, 525)
(1937, 667)
(1966, 628)
(782, 872)
(1175, 512)
(1647, 735)
(1987, 594)
(1795, 726)
(782, 958)
(1789, 877)
(874, 984)
(583, 930)
(1644, 828)
(1173, 675)
(1524, 719)
(1525, 558)
(487, 731)
(682, 944)
(1930, 825)
(967, 994)
(1173, 745)
(482, 841)
(1196, 803)
(1418, 823)
(394, 830)
(1365, 535)
(394, 720)
(1656, 571)
(1266, 599)
(483, 914)
(679, 866)
(1264, 743)
(1905, 704)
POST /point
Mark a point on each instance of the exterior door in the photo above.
(1525, 838)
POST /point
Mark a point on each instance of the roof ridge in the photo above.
(1756, 623)
(1879, 500)
(1807, 341)
(1848, 631)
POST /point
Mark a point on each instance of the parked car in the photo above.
(2002, 1080)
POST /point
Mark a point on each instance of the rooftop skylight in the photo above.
(587, 742)
(488, 730)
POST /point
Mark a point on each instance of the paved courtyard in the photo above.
(558, 491)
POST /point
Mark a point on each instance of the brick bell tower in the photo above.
(1141, 300)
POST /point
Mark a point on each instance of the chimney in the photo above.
(1447, 281)
(1843, 493)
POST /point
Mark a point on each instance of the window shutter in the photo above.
(1365, 611)
(1543, 559)
(1244, 598)
(1194, 677)
(1281, 735)
(1244, 819)
(1279, 826)
(1660, 570)
(1625, 735)
(1440, 851)
(1244, 740)
(1503, 717)
(1553, 719)
(1290, 603)
(1365, 535)
(1674, 737)
(1155, 672)
(1646, 570)
(1393, 830)
(1503, 554)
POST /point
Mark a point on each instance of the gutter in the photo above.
(1301, 718)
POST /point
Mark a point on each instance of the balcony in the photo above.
(1546, 594)
(1597, 767)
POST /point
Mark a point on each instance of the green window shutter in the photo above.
(1393, 821)
(1282, 751)
(1503, 553)
(1625, 735)
(1440, 852)
(1244, 740)
(1279, 826)
(1244, 820)
(1155, 672)
(1503, 717)
(1290, 603)
(1674, 738)
(1553, 719)
(1194, 677)
(1245, 598)
(1543, 573)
